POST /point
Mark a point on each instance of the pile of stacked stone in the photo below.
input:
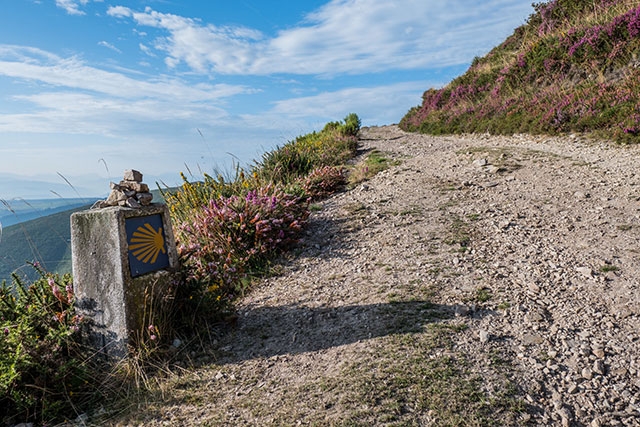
(130, 192)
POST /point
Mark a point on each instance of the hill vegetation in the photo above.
(44, 240)
(573, 67)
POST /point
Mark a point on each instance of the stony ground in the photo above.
(479, 280)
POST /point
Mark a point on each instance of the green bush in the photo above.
(351, 125)
(42, 366)
(287, 163)
(332, 146)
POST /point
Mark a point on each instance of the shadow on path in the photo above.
(264, 332)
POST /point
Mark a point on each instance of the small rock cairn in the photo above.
(130, 192)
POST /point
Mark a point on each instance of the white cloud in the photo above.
(344, 36)
(119, 11)
(146, 50)
(76, 113)
(198, 45)
(37, 65)
(75, 98)
(109, 46)
(72, 6)
(25, 54)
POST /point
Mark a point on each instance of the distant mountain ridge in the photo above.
(19, 210)
(45, 240)
(51, 187)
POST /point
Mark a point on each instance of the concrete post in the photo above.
(123, 258)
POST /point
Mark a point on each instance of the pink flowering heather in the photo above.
(573, 67)
(230, 236)
(55, 289)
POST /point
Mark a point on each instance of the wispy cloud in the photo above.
(74, 113)
(382, 104)
(78, 98)
(146, 50)
(368, 101)
(343, 36)
(200, 46)
(38, 65)
(72, 6)
(109, 46)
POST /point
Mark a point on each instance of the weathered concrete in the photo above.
(118, 298)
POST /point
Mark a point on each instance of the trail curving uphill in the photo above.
(478, 281)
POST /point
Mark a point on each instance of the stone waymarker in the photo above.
(124, 258)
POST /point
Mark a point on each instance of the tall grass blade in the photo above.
(105, 165)
(70, 184)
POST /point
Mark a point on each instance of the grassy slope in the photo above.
(574, 66)
(46, 240)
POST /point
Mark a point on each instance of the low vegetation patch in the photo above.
(374, 163)
(42, 363)
(571, 68)
(427, 385)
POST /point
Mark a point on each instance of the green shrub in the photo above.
(42, 366)
(333, 146)
(287, 163)
(351, 125)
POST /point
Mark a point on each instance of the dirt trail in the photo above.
(508, 266)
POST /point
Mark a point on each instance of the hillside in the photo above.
(16, 211)
(46, 240)
(573, 67)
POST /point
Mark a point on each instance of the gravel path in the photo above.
(531, 243)
(554, 230)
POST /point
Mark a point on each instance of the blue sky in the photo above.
(89, 88)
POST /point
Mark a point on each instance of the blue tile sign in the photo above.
(147, 244)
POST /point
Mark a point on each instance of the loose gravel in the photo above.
(527, 246)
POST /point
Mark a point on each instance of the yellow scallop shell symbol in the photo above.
(146, 243)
